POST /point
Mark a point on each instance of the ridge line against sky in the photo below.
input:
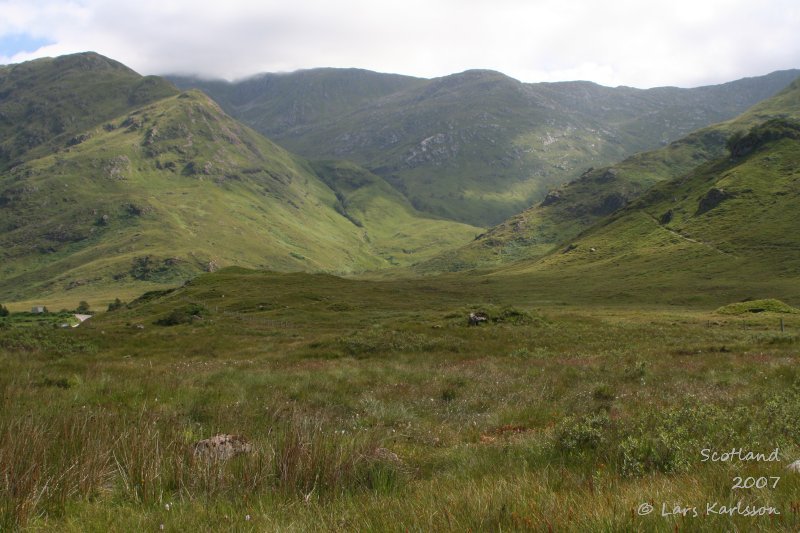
(637, 43)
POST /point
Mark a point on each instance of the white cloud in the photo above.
(630, 42)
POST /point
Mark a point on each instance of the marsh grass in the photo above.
(391, 413)
(46, 465)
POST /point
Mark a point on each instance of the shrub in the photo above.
(587, 432)
(741, 144)
(51, 342)
(665, 452)
(513, 315)
(757, 306)
(151, 295)
(183, 315)
(668, 441)
(448, 394)
(635, 371)
(380, 342)
(604, 393)
(497, 315)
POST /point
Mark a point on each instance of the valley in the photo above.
(458, 304)
(477, 146)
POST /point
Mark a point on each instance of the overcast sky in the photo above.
(613, 42)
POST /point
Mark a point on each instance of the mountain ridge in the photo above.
(575, 206)
(49, 100)
(479, 146)
(175, 187)
(726, 227)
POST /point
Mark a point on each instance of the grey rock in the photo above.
(222, 447)
(477, 318)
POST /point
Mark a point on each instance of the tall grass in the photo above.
(560, 418)
(47, 462)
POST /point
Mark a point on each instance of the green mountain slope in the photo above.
(176, 187)
(45, 103)
(455, 147)
(574, 207)
(276, 103)
(172, 189)
(730, 227)
(479, 146)
(396, 231)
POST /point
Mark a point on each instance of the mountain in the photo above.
(46, 102)
(280, 102)
(115, 183)
(476, 146)
(175, 187)
(572, 208)
(728, 227)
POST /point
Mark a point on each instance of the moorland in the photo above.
(435, 317)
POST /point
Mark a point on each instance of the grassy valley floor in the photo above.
(374, 406)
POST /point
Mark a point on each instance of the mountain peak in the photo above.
(50, 98)
(477, 75)
(79, 62)
(90, 61)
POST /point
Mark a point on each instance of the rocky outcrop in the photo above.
(434, 149)
(551, 198)
(609, 204)
(741, 144)
(118, 168)
(712, 199)
(78, 139)
(605, 177)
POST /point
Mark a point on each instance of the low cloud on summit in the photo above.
(624, 42)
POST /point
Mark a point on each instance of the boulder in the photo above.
(222, 447)
(387, 456)
(477, 318)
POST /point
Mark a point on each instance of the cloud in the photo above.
(638, 43)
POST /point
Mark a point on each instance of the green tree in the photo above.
(83, 307)
(3, 310)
